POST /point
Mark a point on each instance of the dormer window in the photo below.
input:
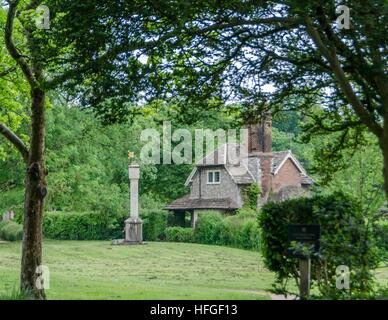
(213, 177)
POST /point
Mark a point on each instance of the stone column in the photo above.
(134, 225)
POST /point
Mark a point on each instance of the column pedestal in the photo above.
(134, 230)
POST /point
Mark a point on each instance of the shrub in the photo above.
(208, 228)
(250, 237)
(155, 223)
(344, 241)
(11, 231)
(82, 226)
(179, 234)
(240, 230)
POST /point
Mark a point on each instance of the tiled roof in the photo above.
(240, 175)
(228, 155)
(306, 180)
(278, 158)
(199, 203)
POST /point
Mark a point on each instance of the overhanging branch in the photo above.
(15, 140)
(343, 82)
(12, 50)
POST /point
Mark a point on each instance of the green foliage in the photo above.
(82, 226)
(250, 195)
(345, 240)
(155, 223)
(360, 176)
(14, 93)
(208, 227)
(240, 230)
(11, 231)
(380, 232)
(179, 234)
(101, 226)
(15, 294)
(87, 163)
(12, 200)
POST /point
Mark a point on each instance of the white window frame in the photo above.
(213, 174)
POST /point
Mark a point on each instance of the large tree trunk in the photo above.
(35, 191)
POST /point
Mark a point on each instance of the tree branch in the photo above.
(12, 50)
(7, 72)
(343, 82)
(15, 140)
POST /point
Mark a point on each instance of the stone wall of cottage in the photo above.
(288, 175)
(225, 189)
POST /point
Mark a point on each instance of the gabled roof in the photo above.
(280, 158)
(227, 155)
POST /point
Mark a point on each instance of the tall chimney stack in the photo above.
(260, 134)
(260, 141)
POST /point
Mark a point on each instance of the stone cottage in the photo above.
(217, 183)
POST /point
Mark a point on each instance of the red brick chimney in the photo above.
(260, 134)
(260, 142)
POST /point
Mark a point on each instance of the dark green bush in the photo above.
(179, 234)
(345, 240)
(11, 231)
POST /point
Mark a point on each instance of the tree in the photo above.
(91, 47)
(290, 54)
(108, 53)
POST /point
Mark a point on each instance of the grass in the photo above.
(14, 294)
(98, 270)
(157, 270)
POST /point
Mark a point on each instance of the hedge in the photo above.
(99, 226)
(81, 226)
(11, 231)
(180, 234)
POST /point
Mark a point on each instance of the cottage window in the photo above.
(213, 177)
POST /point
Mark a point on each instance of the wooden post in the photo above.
(305, 272)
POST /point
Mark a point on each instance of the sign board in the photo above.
(305, 234)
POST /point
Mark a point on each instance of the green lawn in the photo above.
(98, 270)
(157, 270)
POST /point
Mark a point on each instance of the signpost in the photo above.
(306, 237)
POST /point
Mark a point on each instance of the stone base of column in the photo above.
(133, 232)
